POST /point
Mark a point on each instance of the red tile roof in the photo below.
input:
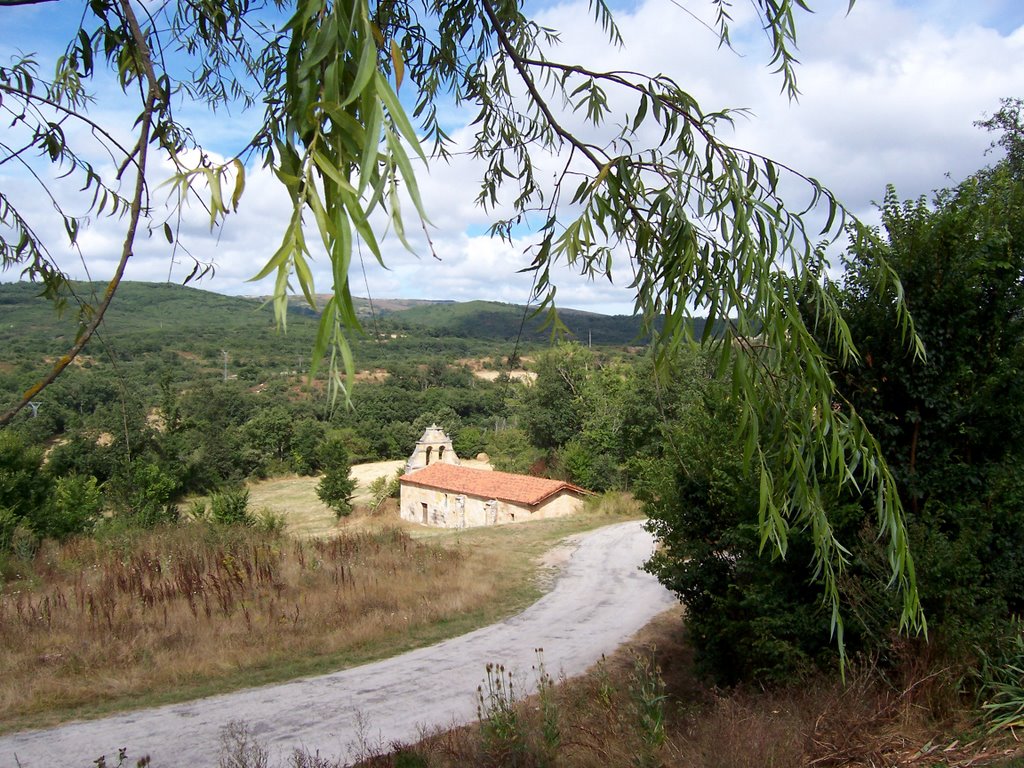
(519, 489)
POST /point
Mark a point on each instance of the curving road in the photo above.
(599, 599)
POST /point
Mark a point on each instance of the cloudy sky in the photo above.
(889, 93)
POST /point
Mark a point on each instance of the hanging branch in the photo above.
(140, 151)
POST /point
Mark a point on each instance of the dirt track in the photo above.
(598, 601)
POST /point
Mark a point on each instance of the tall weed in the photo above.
(503, 739)
(1001, 683)
(647, 689)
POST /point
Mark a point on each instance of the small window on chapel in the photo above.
(430, 450)
(440, 453)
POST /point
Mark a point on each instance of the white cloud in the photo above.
(889, 94)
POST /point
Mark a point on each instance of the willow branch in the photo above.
(134, 215)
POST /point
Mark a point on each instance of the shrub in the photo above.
(231, 507)
(383, 488)
(25, 490)
(269, 522)
(8, 523)
(143, 492)
(336, 486)
(77, 504)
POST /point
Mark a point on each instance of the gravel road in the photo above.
(599, 599)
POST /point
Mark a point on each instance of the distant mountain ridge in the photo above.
(491, 320)
(154, 307)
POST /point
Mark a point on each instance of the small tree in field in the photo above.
(336, 486)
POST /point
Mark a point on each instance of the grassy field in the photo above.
(294, 497)
(139, 618)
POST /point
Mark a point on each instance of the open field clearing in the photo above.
(139, 618)
(294, 497)
(517, 374)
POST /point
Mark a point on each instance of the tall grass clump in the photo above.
(648, 692)
(502, 736)
(1000, 682)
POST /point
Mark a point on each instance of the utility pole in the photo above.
(35, 408)
(225, 353)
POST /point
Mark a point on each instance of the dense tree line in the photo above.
(950, 425)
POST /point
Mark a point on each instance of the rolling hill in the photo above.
(158, 317)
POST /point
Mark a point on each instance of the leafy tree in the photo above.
(9, 523)
(510, 450)
(307, 436)
(210, 442)
(444, 417)
(231, 507)
(751, 617)
(336, 487)
(951, 428)
(594, 457)
(77, 504)
(78, 453)
(470, 441)
(1008, 121)
(143, 493)
(25, 490)
(703, 225)
(269, 432)
(553, 408)
(383, 488)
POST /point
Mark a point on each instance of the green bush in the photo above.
(751, 616)
(951, 427)
(143, 493)
(336, 487)
(8, 522)
(77, 504)
(306, 438)
(25, 490)
(231, 507)
(24, 541)
(589, 467)
(383, 488)
(269, 522)
(510, 450)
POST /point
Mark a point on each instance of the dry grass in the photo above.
(598, 721)
(294, 497)
(150, 617)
